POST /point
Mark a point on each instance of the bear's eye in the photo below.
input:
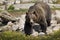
(34, 13)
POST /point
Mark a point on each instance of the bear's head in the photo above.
(31, 17)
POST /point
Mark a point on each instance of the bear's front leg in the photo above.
(43, 25)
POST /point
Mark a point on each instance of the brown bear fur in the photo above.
(40, 13)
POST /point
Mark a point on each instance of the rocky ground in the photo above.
(19, 24)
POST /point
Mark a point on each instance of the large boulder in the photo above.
(5, 17)
(57, 16)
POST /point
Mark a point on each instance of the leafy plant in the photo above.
(11, 7)
(56, 2)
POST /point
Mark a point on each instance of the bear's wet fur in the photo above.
(40, 13)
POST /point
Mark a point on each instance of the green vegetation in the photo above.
(11, 7)
(21, 10)
(57, 2)
(54, 8)
(17, 12)
(9, 35)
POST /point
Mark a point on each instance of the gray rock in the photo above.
(5, 17)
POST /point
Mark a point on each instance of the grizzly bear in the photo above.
(39, 13)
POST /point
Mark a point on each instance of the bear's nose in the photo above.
(31, 20)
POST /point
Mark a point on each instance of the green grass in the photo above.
(55, 8)
(21, 10)
(9, 35)
(17, 12)
(57, 2)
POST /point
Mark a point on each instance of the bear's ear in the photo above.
(26, 13)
